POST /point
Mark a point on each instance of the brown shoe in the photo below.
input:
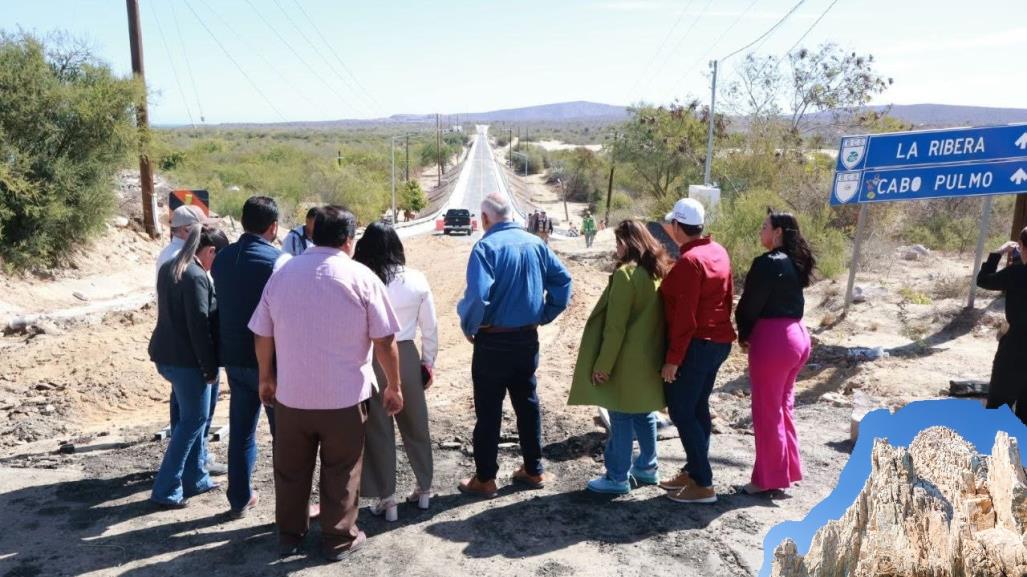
(533, 481)
(476, 488)
(333, 554)
(693, 494)
(679, 482)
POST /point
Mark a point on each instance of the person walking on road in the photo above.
(240, 273)
(300, 238)
(697, 298)
(183, 346)
(620, 358)
(514, 284)
(769, 319)
(1008, 377)
(315, 327)
(381, 250)
(588, 228)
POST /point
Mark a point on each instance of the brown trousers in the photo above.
(299, 435)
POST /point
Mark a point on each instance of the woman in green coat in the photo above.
(621, 355)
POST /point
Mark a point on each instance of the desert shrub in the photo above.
(736, 224)
(66, 125)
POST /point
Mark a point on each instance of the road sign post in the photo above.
(979, 253)
(930, 164)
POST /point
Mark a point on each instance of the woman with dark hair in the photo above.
(183, 348)
(381, 250)
(620, 357)
(1008, 376)
(769, 319)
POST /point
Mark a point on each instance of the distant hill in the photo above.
(942, 115)
(558, 112)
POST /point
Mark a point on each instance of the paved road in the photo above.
(480, 176)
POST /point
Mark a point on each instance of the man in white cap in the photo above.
(181, 219)
(697, 303)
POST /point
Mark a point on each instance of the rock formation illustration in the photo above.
(934, 509)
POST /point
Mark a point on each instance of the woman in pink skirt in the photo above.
(769, 318)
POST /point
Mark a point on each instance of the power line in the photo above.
(663, 43)
(318, 52)
(188, 65)
(691, 68)
(317, 29)
(260, 54)
(768, 32)
(235, 62)
(171, 61)
(298, 56)
(814, 25)
(683, 36)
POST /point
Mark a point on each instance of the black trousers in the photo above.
(505, 362)
(1009, 375)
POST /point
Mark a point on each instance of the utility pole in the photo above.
(135, 36)
(438, 145)
(339, 158)
(510, 143)
(406, 173)
(709, 138)
(609, 194)
(1019, 216)
(392, 157)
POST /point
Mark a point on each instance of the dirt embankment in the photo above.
(95, 379)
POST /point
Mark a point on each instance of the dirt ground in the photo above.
(89, 381)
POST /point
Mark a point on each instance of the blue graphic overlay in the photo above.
(967, 417)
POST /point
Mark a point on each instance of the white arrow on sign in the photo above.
(1019, 177)
(1022, 141)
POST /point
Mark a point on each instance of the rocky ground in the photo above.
(89, 382)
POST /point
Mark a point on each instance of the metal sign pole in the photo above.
(981, 237)
(861, 222)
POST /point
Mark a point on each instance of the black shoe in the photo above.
(289, 549)
(165, 506)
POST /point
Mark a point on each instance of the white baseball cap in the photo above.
(188, 214)
(687, 211)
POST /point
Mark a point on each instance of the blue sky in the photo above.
(454, 56)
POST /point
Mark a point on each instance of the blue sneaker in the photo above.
(644, 476)
(608, 486)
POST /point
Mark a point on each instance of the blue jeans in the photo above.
(688, 402)
(624, 428)
(505, 362)
(244, 413)
(183, 472)
(215, 390)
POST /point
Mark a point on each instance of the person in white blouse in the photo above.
(381, 250)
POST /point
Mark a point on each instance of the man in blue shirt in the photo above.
(514, 284)
(240, 272)
(299, 238)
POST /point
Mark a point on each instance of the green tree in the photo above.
(665, 147)
(413, 197)
(66, 123)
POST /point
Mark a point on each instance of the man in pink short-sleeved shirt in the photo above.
(319, 319)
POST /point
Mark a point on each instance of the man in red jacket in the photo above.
(697, 304)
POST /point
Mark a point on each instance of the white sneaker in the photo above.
(422, 498)
(387, 507)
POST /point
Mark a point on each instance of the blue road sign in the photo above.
(923, 182)
(931, 164)
(933, 147)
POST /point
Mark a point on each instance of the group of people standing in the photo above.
(659, 334)
(540, 225)
(323, 342)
